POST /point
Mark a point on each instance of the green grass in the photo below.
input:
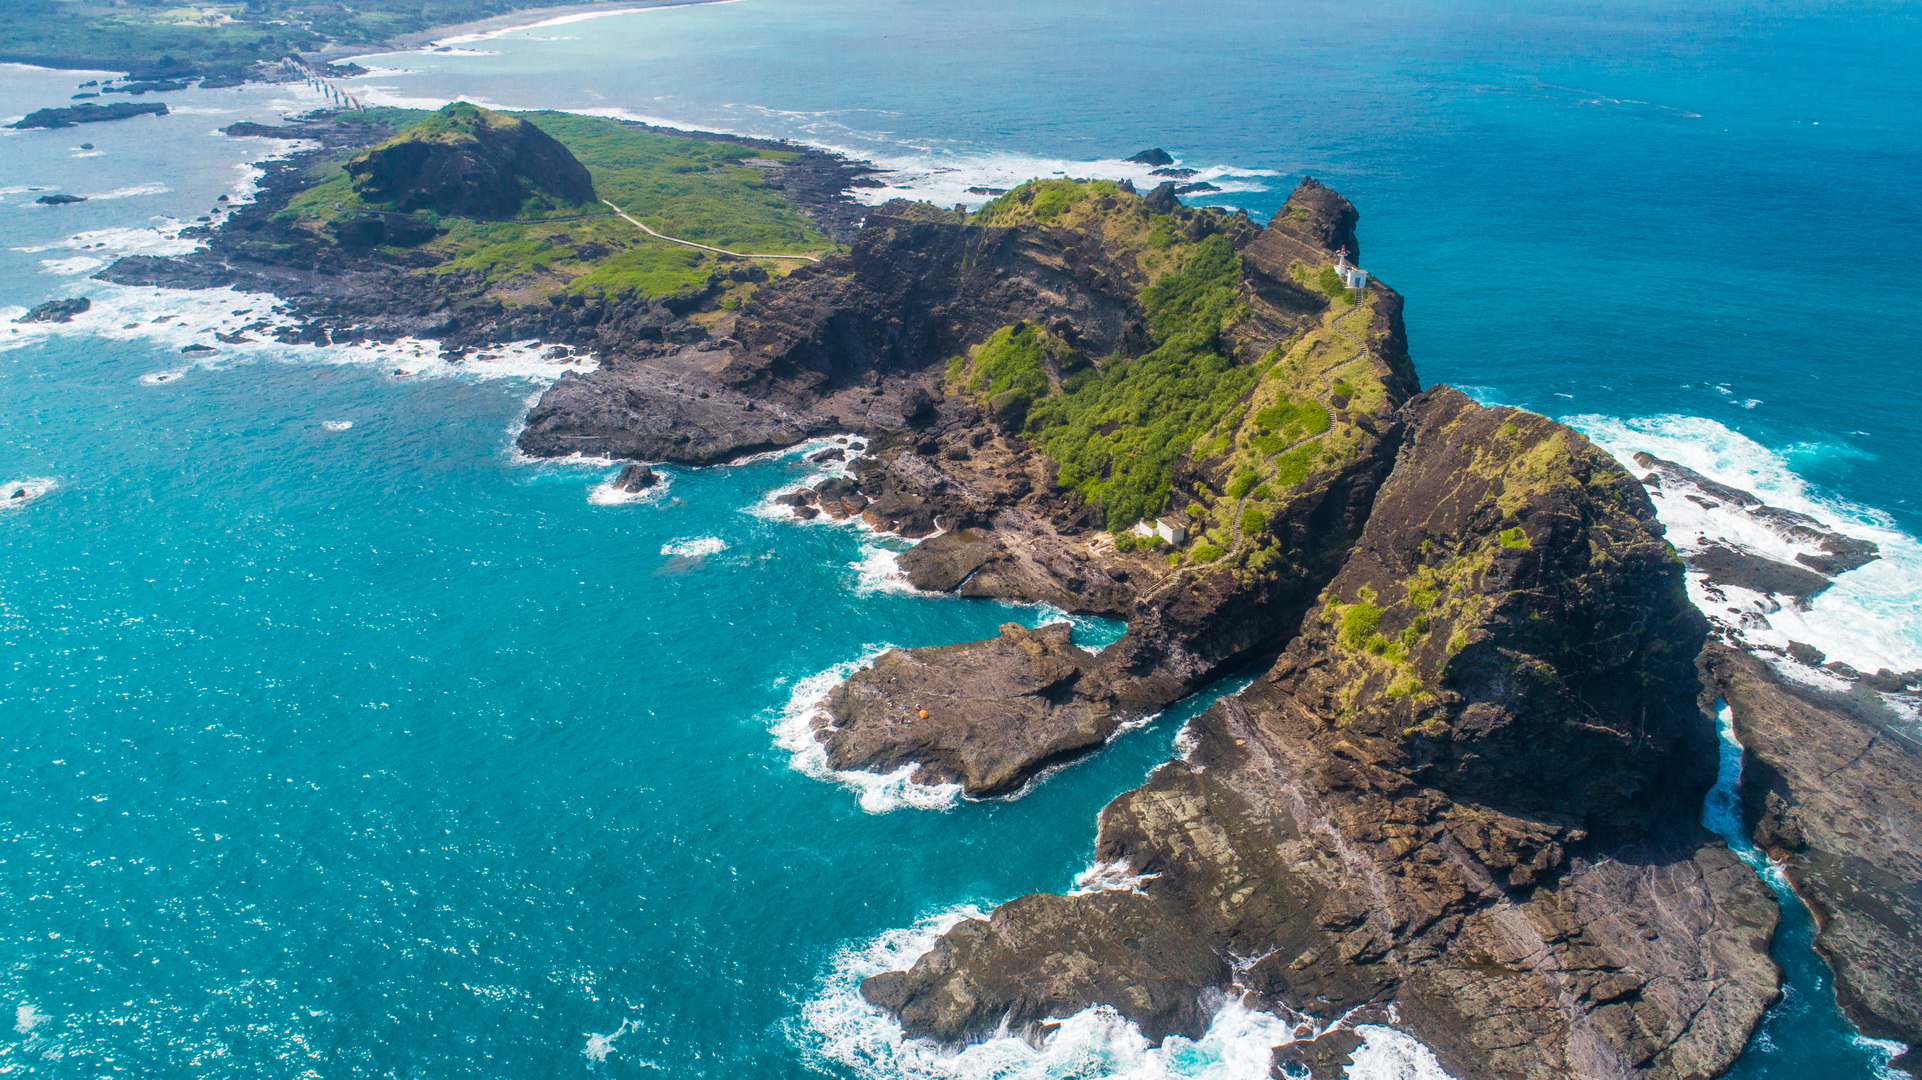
(686, 187)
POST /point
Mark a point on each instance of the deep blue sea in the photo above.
(338, 740)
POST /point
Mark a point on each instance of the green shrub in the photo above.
(1118, 431)
(1124, 542)
(1514, 538)
(1253, 522)
(1205, 553)
(1329, 282)
(1358, 624)
(1242, 484)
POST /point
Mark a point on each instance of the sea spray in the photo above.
(837, 1027)
(1870, 618)
(793, 727)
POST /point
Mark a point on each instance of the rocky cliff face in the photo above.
(1829, 788)
(1468, 788)
(866, 342)
(468, 161)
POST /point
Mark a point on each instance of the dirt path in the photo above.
(689, 243)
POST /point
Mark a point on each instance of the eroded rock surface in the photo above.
(984, 714)
(1470, 787)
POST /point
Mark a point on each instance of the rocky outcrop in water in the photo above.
(57, 311)
(1829, 789)
(1825, 553)
(1469, 788)
(88, 113)
(984, 714)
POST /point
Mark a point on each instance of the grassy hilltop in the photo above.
(685, 187)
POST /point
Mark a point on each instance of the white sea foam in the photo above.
(79, 264)
(179, 318)
(336, 425)
(17, 493)
(944, 178)
(26, 1017)
(1870, 618)
(696, 548)
(1115, 876)
(878, 570)
(599, 1046)
(1387, 1054)
(134, 191)
(838, 1029)
(793, 727)
(117, 242)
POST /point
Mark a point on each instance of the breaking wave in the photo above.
(1870, 618)
(879, 793)
(215, 328)
(838, 1028)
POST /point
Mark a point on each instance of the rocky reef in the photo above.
(471, 162)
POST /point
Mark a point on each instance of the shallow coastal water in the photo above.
(342, 741)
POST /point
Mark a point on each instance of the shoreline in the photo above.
(411, 41)
(522, 19)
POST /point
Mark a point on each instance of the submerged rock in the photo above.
(60, 200)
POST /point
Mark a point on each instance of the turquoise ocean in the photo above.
(338, 740)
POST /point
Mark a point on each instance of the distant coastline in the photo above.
(515, 20)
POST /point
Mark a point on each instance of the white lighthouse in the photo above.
(1352, 277)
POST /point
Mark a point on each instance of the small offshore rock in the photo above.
(636, 478)
(57, 311)
(87, 113)
(60, 200)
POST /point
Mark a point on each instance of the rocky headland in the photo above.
(1466, 786)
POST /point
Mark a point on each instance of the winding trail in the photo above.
(689, 243)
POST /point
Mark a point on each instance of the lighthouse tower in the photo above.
(1352, 277)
